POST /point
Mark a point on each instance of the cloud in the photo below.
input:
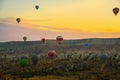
(13, 20)
(49, 28)
(11, 32)
(36, 20)
(27, 24)
(7, 20)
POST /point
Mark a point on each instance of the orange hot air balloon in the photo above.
(59, 39)
(116, 11)
(43, 40)
(52, 54)
(18, 20)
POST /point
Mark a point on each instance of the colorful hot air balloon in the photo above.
(37, 7)
(59, 39)
(34, 59)
(103, 55)
(43, 40)
(52, 54)
(36, 53)
(24, 38)
(23, 62)
(86, 45)
(18, 20)
(11, 50)
(116, 11)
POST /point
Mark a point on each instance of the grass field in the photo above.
(74, 61)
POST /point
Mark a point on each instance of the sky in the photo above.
(72, 19)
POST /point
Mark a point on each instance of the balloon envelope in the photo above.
(59, 39)
(52, 54)
(86, 45)
(115, 11)
(10, 50)
(23, 62)
(34, 59)
(43, 40)
(18, 20)
(37, 7)
(37, 53)
(103, 56)
(24, 38)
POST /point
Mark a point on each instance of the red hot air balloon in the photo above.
(52, 54)
(43, 40)
(116, 11)
(18, 20)
(59, 39)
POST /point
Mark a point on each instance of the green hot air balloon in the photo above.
(23, 62)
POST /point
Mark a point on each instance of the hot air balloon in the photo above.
(24, 38)
(43, 40)
(103, 55)
(18, 20)
(34, 59)
(23, 62)
(10, 51)
(36, 53)
(116, 11)
(52, 54)
(86, 45)
(37, 7)
(59, 39)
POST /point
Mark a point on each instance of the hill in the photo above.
(67, 45)
(70, 42)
